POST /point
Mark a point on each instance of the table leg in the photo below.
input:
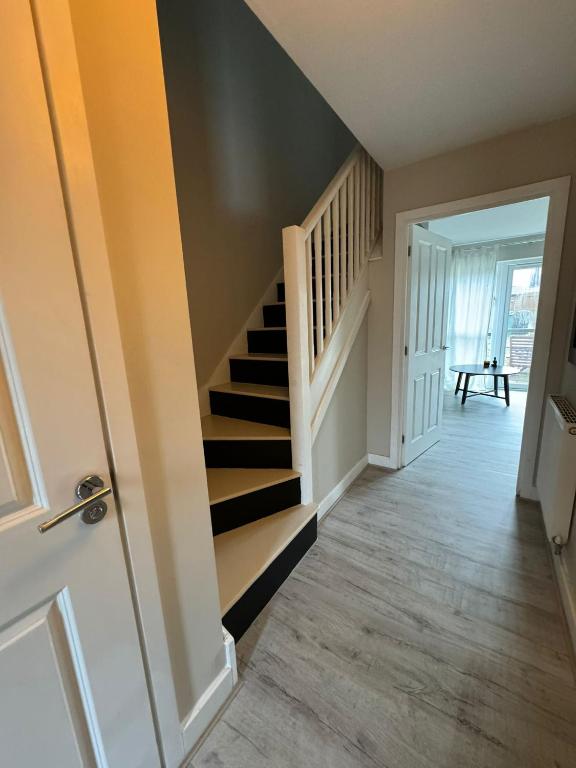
(506, 389)
(496, 385)
(466, 383)
(458, 384)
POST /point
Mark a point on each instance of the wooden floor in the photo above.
(423, 630)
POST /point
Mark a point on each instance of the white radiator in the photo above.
(556, 476)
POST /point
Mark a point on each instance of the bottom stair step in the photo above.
(253, 561)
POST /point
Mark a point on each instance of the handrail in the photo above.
(326, 197)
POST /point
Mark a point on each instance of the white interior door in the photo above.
(427, 318)
(72, 684)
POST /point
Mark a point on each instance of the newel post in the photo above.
(296, 288)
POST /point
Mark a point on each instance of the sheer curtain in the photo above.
(470, 306)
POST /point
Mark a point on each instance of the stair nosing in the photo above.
(283, 398)
(264, 356)
(291, 474)
(247, 425)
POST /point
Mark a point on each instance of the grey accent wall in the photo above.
(341, 441)
(254, 146)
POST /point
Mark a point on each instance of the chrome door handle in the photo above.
(90, 504)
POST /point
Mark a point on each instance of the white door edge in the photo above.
(74, 153)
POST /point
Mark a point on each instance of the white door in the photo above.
(72, 684)
(427, 317)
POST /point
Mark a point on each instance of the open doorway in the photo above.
(477, 285)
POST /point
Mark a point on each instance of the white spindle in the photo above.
(374, 176)
(363, 231)
(356, 221)
(310, 305)
(343, 241)
(319, 286)
(336, 254)
(350, 215)
(368, 204)
(328, 272)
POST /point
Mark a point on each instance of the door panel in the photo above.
(427, 318)
(73, 682)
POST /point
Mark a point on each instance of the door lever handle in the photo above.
(444, 348)
(91, 505)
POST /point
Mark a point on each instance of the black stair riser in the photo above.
(242, 614)
(281, 290)
(273, 372)
(275, 314)
(266, 410)
(248, 454)
(268, 341)
(249, 507)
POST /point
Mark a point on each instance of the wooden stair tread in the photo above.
(243, 554)
(224, 484)
(272, 356)
(225, 428)
(255, 390)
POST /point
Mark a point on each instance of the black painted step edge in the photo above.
(238, 618)
(264, 410)
(248, 454)
(259, 371)
(254, 505)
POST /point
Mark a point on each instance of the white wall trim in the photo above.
(221, 374)
(558, 190)
(332, 498)
(567, 595)
(377, 460)
(208, 706)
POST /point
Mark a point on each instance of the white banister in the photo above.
(327, 293)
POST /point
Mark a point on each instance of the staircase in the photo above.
(261, 530)
(258, 438)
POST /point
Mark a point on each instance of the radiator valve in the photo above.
(558, 543)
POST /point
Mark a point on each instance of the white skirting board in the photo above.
(381, 461)
(567, 595)
(339, 490)
(213, 698)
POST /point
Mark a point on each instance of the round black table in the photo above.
(467, 371)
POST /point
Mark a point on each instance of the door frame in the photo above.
(57, 51)
(557, 190)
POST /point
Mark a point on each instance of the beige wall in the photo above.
(341, 440)
(121, 72)
(542, 152)
(254, 147)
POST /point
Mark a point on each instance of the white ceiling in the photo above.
(414, 78)
(517, 220)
